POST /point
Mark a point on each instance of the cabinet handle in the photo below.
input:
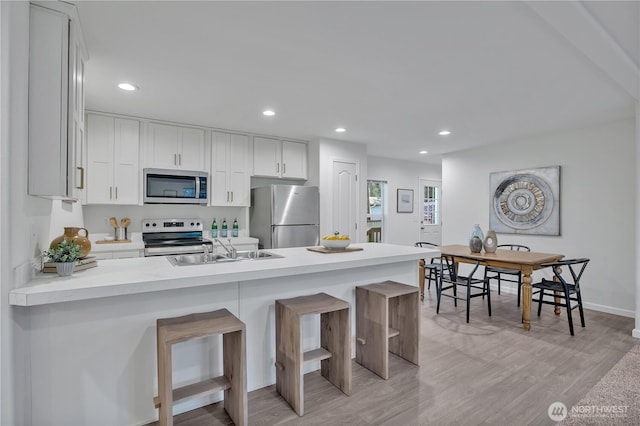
(116, 192)
(284, 168)
(81, 178)
(180, 159)
(232, 196)
(227, 196)
(175, 161)
(277, 167)
(110, 192)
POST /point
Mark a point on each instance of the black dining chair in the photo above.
(563, 288)
(431, 269)
(449, 279)
(494, 272)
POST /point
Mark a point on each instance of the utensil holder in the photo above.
(121, 233)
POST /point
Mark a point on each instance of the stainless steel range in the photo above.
(164, 237)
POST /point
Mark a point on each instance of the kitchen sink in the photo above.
(199, 259)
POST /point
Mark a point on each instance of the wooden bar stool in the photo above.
(234, 380)
(335, 345)
(387, 320)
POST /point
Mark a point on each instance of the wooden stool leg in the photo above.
(372, 325)
(289, 376)
(404, 316)
(165, 385)
(234, 365)
(335, 337)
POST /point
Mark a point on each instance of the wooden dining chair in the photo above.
(567, 285)
(449, 279)
(494, 272)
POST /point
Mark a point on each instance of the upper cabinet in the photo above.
(113, 163)
(56, 102)
(175, 147)
(279, 158)
(230, 170)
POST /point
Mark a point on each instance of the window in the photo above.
(376, 191)
(431, 209)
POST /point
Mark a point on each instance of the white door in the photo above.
(344, 202)
(162, 146)
(126, 165)
(431, 219)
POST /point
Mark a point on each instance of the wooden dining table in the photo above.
(526, 262)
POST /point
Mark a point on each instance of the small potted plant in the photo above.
(64, 256)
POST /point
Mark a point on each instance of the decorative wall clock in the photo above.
(525, 201)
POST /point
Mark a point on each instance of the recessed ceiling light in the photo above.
(268, 112)
(422, 152)
(444, 133)
(340, 129)
(127, 86)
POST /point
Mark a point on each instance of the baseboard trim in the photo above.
(593, 306)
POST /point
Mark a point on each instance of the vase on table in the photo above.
(490, 241)
(475, 239)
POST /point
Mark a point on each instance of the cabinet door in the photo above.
(162, 148)
(219, 172)
(266, 157)
(126, 164)
(100, 148)
(191, 152)
(76, 116)
(294, 160)
(48, 92)
(239, 181)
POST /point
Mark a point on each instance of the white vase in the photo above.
(490, 241)
(64, 269)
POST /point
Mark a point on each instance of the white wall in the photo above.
(328, 151)
(401, 228)
(597, 203)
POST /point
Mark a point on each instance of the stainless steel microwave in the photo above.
(175, 187)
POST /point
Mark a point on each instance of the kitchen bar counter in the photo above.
(91, 349)
(140, 275)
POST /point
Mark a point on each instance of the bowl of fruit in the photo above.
(335, 241)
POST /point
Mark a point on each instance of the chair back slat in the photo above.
(514, 247)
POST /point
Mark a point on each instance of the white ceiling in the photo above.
(392, 73)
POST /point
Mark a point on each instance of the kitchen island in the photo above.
(92, 335)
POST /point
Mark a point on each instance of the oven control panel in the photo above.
(171, 225)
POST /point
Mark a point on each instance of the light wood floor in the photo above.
(489, 371)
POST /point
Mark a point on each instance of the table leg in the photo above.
(421, 278)
(526, 299)
(557, 294)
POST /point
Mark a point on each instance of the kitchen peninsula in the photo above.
(93, 354)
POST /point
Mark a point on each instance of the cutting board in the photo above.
(326, 250)
(112, 241)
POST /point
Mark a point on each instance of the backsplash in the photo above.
(96, 217)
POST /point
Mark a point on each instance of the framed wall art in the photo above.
(405, 201)
(525, 201)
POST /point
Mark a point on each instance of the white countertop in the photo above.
(119, 277)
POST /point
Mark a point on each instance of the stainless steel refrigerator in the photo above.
(285, 216)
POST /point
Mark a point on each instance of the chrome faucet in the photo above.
(231, 250)
(205, 253)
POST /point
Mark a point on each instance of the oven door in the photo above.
(175, 187)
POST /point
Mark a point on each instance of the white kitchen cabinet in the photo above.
(175, 147)
(279, 158)
(113, 160)
(230, 173)
(56, 101)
